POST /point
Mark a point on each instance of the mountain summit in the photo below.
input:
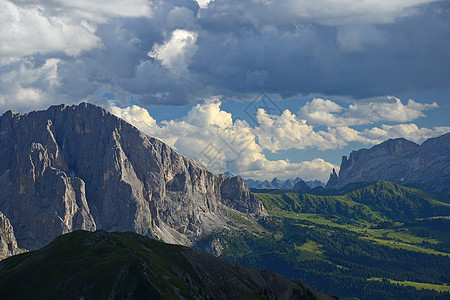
(425, 166)
(80, 167)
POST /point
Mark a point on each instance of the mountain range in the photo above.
(80, 167)
(276, 183)
(425, 166)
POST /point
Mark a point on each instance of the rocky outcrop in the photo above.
(426, 166)
(8, 243)
(80, 167)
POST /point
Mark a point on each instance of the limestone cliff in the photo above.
(80, 167)
(8, 243)
(425, 166)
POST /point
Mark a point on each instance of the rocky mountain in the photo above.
(425, 166)
(103, 265)
(276, 183)
(8, 243)
(301, 187)
(80, 167)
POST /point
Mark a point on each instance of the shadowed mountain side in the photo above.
(80, 167)
(103, 265)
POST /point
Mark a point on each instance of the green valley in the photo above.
(339, 243)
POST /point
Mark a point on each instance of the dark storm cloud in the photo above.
(174, 53)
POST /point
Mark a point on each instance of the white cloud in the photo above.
(27, 30)
(203, 3)
(326, 112)
(29, 27)
(136, 115)
(209, 134)
(209, 114)
(286, 131)
(391, 110)
(176, 53)
(27, 84)
(408, 131)
(329, 113)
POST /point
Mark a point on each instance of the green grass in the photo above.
(417, 285)
(309, 251)
(406, 246)
(363, 209)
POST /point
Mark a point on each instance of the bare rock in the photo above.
(80, 167)
(401, 161)
(8, 243)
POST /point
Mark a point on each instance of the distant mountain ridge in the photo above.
(80, 167)
(425, 166)
(276, 183)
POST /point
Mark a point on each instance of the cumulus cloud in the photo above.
(391, 110)
(211, 136)
(326, 112)
(30, 27)
(28, 30)
(408, 131)
(286, 131)
(209, 114)
(136, 115)
(29, 83)
(203, 3)
(174, 53)
(329, 113)
(177, 52)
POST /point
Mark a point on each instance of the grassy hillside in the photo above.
(102, 265)
(339, 244)
(380, 200)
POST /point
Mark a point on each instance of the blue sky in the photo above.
(339, 75)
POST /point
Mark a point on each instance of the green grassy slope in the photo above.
(102, 265)
(372, 202)
(338, 243)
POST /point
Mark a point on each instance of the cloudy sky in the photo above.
(260, 88)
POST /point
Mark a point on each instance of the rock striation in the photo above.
(80, 167)
(425, 166)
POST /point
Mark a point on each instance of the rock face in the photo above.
(426, 167)
(8, 243)
(80, 167)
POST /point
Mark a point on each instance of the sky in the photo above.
(258, 88)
